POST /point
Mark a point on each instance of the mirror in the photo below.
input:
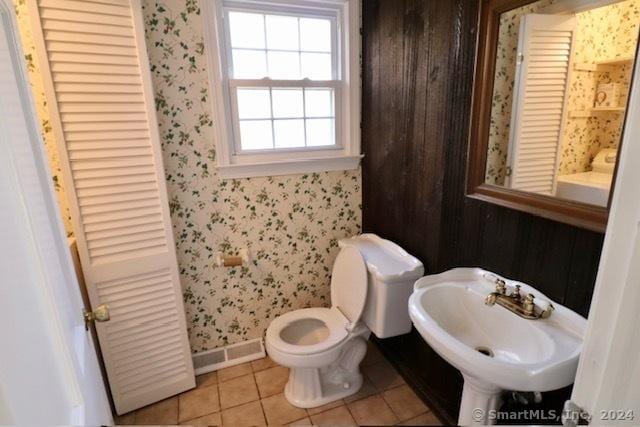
(551, 91)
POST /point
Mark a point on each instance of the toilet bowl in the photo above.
(323, 356)
(371, 282)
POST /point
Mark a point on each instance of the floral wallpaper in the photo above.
(37, 93)
(290, 224)
(602, 33)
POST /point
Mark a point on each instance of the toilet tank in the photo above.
(391, 273)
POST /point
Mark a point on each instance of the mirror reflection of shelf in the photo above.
(606, 65)
(591, 112)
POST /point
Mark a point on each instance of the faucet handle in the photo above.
(501, 286)
(490, 299)
(516, 292)
(529, 305)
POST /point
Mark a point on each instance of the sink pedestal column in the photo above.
(478, 399)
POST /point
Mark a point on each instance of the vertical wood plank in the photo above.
(417, 77)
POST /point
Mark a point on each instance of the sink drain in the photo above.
(484, 350)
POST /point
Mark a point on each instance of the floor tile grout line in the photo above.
(264, 369)
(391, 407)
(381, 394)
(260, 397)
(298, 419)
(326, 410)
(203, 415)
(264, 413)
(415, 416)
(351, 413)
(178, 405)
(253, 371)
(219, 400)
(395, 413)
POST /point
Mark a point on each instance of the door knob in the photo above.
(100, 314)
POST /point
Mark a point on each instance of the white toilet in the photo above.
(371, 283)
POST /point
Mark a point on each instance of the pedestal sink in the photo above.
(494, 348)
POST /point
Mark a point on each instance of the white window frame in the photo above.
(345, 155)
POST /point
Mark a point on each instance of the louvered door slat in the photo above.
(113, 172)
(119, 206)
(117, 225)
(93, 69)
(49, 14)
(89, 117)
(88, 6)
(125, 3)
(90, 34)
(539, 110)
(84, 47)
(97, 58)
(141, 366)
(98, 86)
(103, 108)
(140, 330)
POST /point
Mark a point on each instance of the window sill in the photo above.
(289, 167)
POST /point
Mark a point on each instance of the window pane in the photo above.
(315, 35)
(256, 135)
(287, 103)
(318, 102)
(320, 132)
(254, 104)
(249, 64)
(289, 133)
(284, 65)
(282, 32)
(247, 30)
(316, 66)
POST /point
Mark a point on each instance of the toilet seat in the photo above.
(308, 319)
(315, 330)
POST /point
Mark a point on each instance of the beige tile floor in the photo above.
(252, 395)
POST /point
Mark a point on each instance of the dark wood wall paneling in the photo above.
(418, 58)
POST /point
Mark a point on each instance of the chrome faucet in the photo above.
(522, 305)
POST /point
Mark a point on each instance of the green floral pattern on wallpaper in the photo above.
(602, 33)
(291, 224)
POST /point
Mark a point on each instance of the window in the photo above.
(286, 85)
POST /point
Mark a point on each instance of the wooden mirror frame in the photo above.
(574, 213)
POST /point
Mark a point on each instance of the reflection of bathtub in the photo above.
(585, 187)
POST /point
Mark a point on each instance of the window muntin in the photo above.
(281, 47)
(271, 118)
(283, 81)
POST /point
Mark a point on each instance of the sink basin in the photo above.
(494, 348)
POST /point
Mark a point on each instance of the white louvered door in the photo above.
(540, 90)
(98, 86)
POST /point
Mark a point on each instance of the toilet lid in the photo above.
(349, 283)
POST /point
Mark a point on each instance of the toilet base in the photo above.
(313, 387)
(307, 389)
